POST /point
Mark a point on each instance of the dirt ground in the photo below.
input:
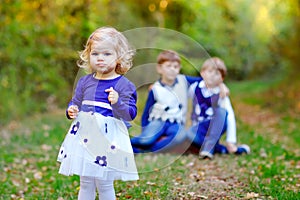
(222, 177)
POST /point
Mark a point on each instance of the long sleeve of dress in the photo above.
(126, 108)
(77, 98)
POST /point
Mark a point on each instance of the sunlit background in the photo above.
(259, 40)
(40, 40)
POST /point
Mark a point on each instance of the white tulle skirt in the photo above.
(97, 146)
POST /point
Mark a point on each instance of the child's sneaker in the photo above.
(243, 149)
(205, 155)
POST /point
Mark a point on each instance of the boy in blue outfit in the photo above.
(164, 116)
(212, 115)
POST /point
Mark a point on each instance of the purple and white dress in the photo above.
(97, 143)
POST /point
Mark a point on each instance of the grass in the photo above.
(272, 171)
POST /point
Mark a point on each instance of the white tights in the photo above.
(88, 189)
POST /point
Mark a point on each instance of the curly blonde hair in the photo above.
(124, 51)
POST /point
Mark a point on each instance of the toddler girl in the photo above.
(97, 146)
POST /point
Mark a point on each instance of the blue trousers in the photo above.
(158, 135)
(206, 134)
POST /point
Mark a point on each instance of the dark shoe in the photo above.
(243, 149)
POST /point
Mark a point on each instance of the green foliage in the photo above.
(240, 32)
(40, 40)
(33, 58)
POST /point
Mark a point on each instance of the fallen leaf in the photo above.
(191, 164)
(148, 193)
(252, 195)
(46, 147)
(191, 193)
(24, 162)
(16, 182)
(150, 183)
(27, 180)
(38, 175)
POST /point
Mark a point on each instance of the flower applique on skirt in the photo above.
(97, 146)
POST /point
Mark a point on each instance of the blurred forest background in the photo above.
(40, 40)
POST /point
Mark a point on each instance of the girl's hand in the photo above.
(113, 95)
(224, 90)
(73, 111)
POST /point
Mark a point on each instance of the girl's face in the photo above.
(103, 59)
(168, 71)
(212, 77)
